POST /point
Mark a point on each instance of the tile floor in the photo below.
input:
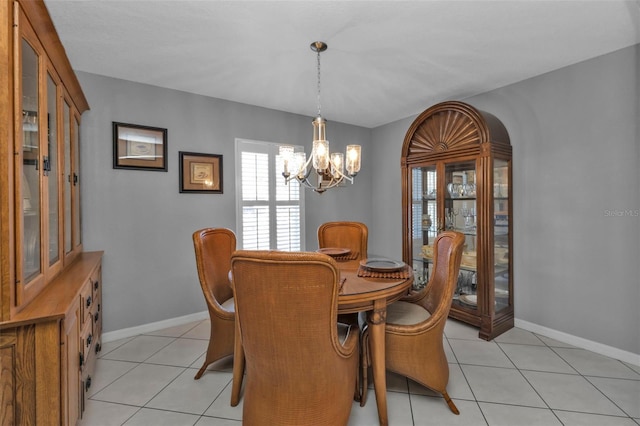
(520, 378)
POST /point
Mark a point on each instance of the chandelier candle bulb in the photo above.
(299, 164)
(353, 159)
(286, 152)
(320, 154)
(337, 164)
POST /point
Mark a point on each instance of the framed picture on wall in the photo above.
(200, 173)
(139, 147)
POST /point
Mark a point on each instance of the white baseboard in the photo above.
(159, 325)
(579, 342)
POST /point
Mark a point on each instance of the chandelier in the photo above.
(329, 168)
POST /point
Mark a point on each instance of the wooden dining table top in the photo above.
(358, 293)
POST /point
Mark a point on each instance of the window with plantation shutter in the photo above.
(270, 214)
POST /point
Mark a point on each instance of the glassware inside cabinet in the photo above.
(461, 216)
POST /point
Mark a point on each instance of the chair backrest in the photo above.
(351, 235)
(286, 311)
(447, 254)
(213, 248)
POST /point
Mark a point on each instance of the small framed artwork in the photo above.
(200, 173)
(139, 147)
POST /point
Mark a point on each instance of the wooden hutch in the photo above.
(50, 291)
(456, 174)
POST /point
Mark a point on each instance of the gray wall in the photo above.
(144, 224)
(576, 173)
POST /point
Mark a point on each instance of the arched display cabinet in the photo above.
(456, 174)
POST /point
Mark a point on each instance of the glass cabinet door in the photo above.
(501, 249)
(461, 214)
(52, 170)
(424, 218)
(67, 178)
(30, 170)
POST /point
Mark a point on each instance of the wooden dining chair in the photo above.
(301, 365)
(213, 248)
(351, 235)
(415, 324)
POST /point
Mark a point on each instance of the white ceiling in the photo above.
(386, 60)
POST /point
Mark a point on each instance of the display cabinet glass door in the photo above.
(30, 167)
(53, 172)
(461, 215)
(501, 249)
(424, 220)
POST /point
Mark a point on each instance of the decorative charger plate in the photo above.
(334, 251)
(381, 264)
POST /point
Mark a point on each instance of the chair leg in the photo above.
(365, 362)
(450, 403)
(238, 368)
(202, 370)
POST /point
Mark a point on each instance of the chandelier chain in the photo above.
(319, 106)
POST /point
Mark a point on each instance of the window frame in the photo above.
(275, 180)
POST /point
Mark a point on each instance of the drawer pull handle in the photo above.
(87, 384)
(96, 317)
(89, 339)
(88, 301)
(96, 284)
(98, 347)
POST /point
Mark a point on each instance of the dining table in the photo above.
(371, 293)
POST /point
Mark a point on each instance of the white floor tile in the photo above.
(221, 406)
(501, 385)
(176, 331)
(147, 416)
(553, 342)
(213, 421)
(513, 415)
(458, 388)
(139, 385)
(539, 358)
(224, 364)
(570, 418)
(624, 393)
(107, 347)
(200, 331)
(187, 395)
(106, 372)
(180, 352)
(479, 352)
(428, 411)
(571, 393)
(592, 364)
(99, 413)
(458, 330)
(519, 336)
(139, 348)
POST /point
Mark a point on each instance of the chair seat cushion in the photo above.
(229, 305)
(405, 313)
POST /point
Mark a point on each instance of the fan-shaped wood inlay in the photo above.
(444, 131)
